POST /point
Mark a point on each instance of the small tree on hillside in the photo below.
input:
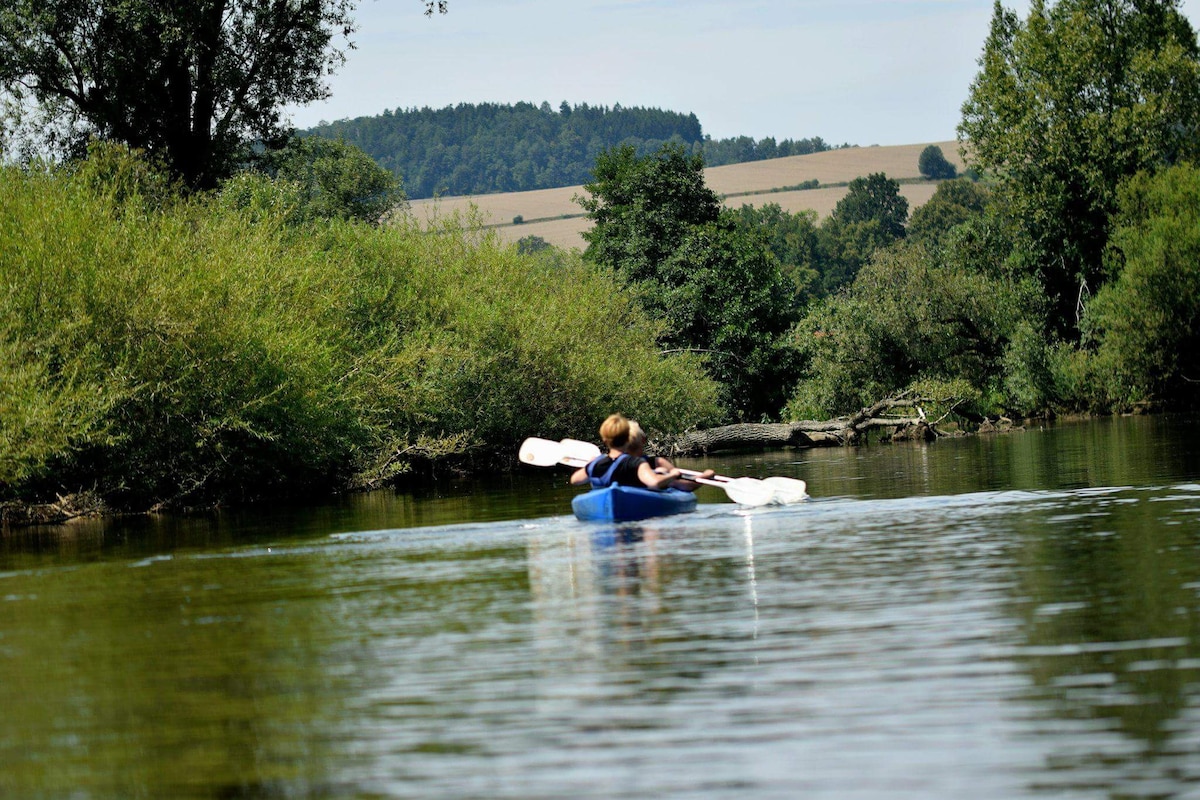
(934, 166)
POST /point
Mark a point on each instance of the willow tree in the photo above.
(193, 83)
(1067, 103)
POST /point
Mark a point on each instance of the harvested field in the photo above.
(499, 209)
(553, 215)
(824, 200)
(832, 166)
(564, 233)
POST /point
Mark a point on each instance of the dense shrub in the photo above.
(909, 316)
(1142, 328)
(211, 351)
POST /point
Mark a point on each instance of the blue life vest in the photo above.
(605, 479)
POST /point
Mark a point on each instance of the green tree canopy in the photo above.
(643, 206)
(870, 217)
(716, 284)
(953, 203)
(792, 238)
(933, 164)
(337, 180)
(192, 83)
(721, 291)
(1145, 324)
(910, 315)
(874, 198)
(1067, 103)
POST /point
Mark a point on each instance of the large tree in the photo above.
(194, 83)
(643, 206)
(870, 217)
(715, 283)
(1067, 103)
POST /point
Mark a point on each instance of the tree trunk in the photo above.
(809, 433)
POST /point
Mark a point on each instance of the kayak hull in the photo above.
(629, 504)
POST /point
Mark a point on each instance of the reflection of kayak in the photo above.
(627, 503)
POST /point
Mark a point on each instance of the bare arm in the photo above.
(665, 466)
(656, 480)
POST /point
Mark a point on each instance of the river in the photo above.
(986, 617)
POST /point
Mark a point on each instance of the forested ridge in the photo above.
(490, 147)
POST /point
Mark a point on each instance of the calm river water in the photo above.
(1009, 617)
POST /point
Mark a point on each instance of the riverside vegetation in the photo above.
(177, 351)
(288, 329)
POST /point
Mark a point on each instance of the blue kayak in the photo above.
(628, 503)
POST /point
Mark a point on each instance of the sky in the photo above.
(850, 71)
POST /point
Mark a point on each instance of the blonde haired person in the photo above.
(626, 463)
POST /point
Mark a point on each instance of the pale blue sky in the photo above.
(858, 71)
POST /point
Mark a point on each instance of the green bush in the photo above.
(1142, 329)
(909, 316)
(213, 351)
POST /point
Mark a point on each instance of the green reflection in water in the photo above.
(252, 654)
(1108, 595)
(167, 678)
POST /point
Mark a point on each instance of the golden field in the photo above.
(554, 215)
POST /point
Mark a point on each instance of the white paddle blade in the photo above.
(579, 449)
(748, 491)
(540, 452)
(787, 490)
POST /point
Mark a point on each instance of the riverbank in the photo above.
(175, 353)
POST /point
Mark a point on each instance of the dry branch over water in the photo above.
(841, 431)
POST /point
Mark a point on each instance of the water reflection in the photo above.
(158, 673)
(999, 619)
(1108, 595)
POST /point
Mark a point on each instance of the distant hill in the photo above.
(553, 215)
(471, 149)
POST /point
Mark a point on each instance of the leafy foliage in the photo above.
(793, 240)
(953, 203)
(642, 207)
(910, 315)
(716, 284)
(191, 83)
(1145, 324)
(337, 180)
(932, 164)
(721, 291)
(1069, 102)
(209, 350)
(870, 217)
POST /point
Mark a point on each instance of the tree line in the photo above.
(1068, 280)
(479, 148)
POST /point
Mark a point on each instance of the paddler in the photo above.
(626, 463)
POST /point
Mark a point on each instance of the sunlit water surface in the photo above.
(1009, 617)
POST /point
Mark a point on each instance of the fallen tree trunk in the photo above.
(808, 433)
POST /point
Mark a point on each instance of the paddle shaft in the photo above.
(746, 491)
(690, 474)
